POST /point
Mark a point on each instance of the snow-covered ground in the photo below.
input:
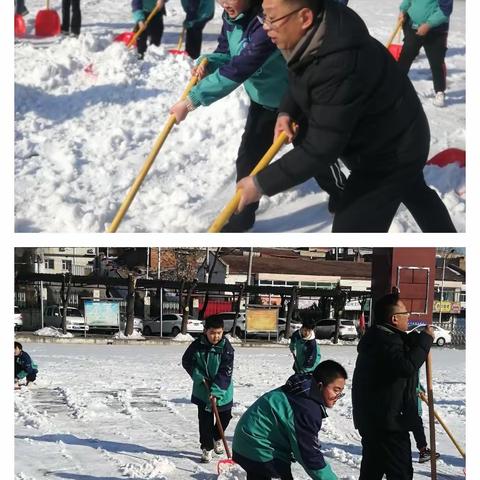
(115, 412)
(81, 138)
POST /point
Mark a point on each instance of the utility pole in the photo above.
(249, 277)
(445, 256)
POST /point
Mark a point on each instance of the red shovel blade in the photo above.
(20, 28)
(224, 465)
(174, 51)
(47, 23)
(449, 156)
(125, 37)
(395, 49)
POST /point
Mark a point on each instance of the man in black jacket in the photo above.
(352, 102)
(384, 396)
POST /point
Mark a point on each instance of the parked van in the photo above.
(75, 320)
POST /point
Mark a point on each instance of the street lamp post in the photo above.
(445, 256)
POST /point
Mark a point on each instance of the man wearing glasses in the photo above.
(352, 102)
(384, 396)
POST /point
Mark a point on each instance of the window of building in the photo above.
(49, 264)
(67, 265)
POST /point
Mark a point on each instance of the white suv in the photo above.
(75, 319)
(17, 319)
(442, 336)
(171, 325)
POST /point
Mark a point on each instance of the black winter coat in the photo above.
(385, 379)
(357, 102)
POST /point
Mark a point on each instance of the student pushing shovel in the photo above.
(246, 56)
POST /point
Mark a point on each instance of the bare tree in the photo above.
(186, 308)
(132, 282)
(339, 301)
(237, 310)
(201, 314)
(292, 306)
(64, 294)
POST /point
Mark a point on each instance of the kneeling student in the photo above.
(210, 359)
(24, 366)
(283, 425)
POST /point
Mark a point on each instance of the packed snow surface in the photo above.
(112, 412)
(87, 114)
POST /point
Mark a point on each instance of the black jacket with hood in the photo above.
(358, 104)
(385, 379)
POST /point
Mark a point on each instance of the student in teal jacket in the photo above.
(426, 24)
(209, 361)
(141, 9)
(304, 347)
(199, 12)
(283, 425)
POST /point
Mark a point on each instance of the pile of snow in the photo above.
(52, 332)
(136, 335)
(87, 114)
(233, 339)
(183, 338)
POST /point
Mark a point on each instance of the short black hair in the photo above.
(328, 371)
(309, 323)
(316, 6)
(213, 322)
(384, 307)
(19, 345)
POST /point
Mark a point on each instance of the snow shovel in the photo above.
(442, 423)
(20, 28)
(130, 38)
(395, 48)
(178, 50)
(232, 205)
(431, 417)
(449, 156)
(149, 161)
(222, 465)
(47, 22)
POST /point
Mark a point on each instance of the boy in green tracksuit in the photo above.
(304, 348)
(209, 359)
(283, 425)
(141, 9)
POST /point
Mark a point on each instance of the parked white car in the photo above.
(442, 336)
(171, 325)
(137, 324)
(17, 319)
(325, 329)
(75, 320)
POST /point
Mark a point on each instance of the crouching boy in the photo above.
(209, 359)
(24, 366)
(283, 425)
(303, 345)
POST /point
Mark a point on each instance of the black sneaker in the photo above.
(425, 455)
(140, 56)
(24, 12)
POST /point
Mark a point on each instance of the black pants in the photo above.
(372, 195)
(208, 428)
(264, 470)
(259, 476)
(20, 7)
(193, 39)
(419, 434)
(76, 22)
(435, 46)
(386, 453)
(257, 138)
(154, 32)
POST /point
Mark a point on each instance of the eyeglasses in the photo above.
(269, 23)
(227, 2)
(402, 313)
(339, 395)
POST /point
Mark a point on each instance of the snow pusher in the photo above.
(149, 161)
(223, 465)
(431, 418)
(20, 28)
(178, 50)
(232, 205)
(130, 38)
(395, 48)
(47, 22)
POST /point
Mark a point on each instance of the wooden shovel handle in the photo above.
(145, 24)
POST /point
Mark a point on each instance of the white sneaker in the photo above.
(439, 100)
(218, 447)
(206, 456)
